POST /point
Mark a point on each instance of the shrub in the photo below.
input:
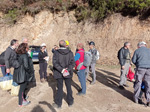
(97, 10)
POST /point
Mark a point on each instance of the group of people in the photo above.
(18, 56)
(63, 63)
(141, 59)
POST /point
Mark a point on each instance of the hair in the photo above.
(55, 46)
(13, 42)
(23, 39)
(126, 43)
(80, 45)
(22, 48)
(62, 43)
(141, 44)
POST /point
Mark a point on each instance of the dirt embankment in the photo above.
(109, 35)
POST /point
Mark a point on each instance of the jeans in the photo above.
(82, 79)
(59, 95)
(43, 70)
(3, 69)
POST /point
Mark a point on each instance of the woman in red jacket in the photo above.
(79, 58)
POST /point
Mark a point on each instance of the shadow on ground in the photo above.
(48, 105)
(53, 84)
(37, 109)
(111, 80)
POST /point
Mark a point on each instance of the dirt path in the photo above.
(104, 96)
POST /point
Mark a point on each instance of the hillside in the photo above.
(108, 35)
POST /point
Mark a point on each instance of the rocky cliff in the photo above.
(49, 28)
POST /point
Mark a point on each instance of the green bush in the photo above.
(12, 16)
(96, 10)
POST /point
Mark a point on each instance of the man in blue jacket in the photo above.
(141, 59)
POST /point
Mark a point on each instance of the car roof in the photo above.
(34, 46)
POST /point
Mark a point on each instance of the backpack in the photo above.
(119, 53)
(97, 56)
(87, 60)
(2, 60)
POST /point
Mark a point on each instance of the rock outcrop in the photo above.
(49, 28)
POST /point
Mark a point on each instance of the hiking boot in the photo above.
(80, 94)
(25, 103)
(42, 80)
(125, 85)
(56, 106)
(121, 87)
(148, 104)
(71, 104)
(26, 97)
(140, 101)
(93, 82)
(135, 100)
(45, 80)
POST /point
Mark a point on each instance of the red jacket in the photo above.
(81, 53)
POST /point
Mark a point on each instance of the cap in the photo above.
(92, 43)
(67, 42)
(43, 44)
(141, 43)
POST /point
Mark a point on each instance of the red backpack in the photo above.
(130, 75)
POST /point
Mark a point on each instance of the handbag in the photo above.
(130, 75)
(6, 82)
(15, 89)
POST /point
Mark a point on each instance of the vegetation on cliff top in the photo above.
(95, 10)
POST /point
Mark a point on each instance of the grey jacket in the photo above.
(11, 58)
(141, 58)
(94, 53)
(124, 56)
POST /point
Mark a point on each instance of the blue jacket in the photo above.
(141, 58)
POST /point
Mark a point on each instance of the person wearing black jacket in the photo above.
(55, 48)
(63, 64)
(24, 73)
(43, 58)
(10, 56)
(124, 60)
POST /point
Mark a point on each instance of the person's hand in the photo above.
(46, 58)
(29, 50)
(8, 70)
(123, 67)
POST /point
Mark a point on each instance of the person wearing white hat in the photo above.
(141, 59)
(43, 59)
(43, 45)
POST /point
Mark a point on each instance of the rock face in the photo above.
(109, 35)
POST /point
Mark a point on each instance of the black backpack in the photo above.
(119, 53)
(2, 60)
